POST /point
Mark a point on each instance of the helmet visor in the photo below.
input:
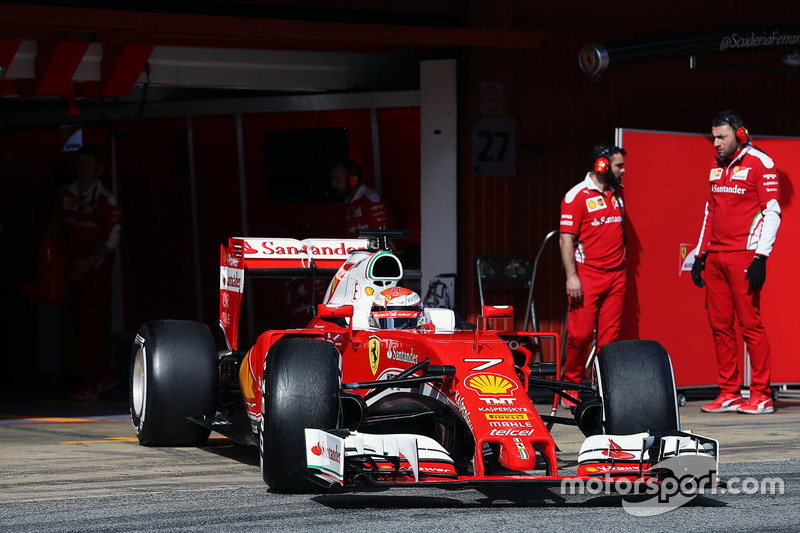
(396, 319)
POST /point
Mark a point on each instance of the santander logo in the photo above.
(292, 248)
(331, 453)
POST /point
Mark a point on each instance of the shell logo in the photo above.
(592, 204)
(490, 384)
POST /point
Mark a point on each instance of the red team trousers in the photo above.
(601, 309)
(89, 309)
(727, 296)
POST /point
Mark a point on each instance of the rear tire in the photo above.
(637, 386)
(174, 375)
(301, 390)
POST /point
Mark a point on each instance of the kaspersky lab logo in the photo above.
(682, 479)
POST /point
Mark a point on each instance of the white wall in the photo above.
(439, 140)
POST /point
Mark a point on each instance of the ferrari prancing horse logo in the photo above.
(374, 353)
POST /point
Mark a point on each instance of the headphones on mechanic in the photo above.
(742, 135)
(603, 161)
(352, 172)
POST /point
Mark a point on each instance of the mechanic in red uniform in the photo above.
(593, 251)
(741, 222)
(364, 207)
(86, 219)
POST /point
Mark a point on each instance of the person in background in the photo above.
(740, 225)
(364, 207)
(86, 220)
(592, 243)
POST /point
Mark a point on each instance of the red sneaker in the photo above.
(567, 403)
(757, 404)
(725, 402)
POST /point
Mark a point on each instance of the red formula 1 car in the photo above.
(344, 403)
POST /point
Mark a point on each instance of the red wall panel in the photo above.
(399, 144)
(665, 209)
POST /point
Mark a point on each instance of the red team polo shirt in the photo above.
(367, 210)
(742, 212)
(596, 220)
(91, 219)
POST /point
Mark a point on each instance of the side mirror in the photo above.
(497, 311)
(338, 311)
(493, 311)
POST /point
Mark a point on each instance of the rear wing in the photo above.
(246, 257)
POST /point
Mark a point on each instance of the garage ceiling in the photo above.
(214, 49)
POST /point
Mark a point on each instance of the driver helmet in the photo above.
(397, 308)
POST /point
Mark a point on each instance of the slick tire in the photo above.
(637, 387)
(301, 390)
(174, 375)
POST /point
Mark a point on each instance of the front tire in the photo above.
(174, 375)
(301, 390)
(637, 387)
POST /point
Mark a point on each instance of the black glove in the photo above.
(697, 270)
(757, 272)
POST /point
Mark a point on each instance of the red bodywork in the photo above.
(489, 388)
(485, 389)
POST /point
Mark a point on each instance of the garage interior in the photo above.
(206, 110)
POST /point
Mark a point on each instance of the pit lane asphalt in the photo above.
(69, 466)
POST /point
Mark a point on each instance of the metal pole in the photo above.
(529, 310)
(251, 323)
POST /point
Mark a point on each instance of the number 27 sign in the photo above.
(494, 146)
